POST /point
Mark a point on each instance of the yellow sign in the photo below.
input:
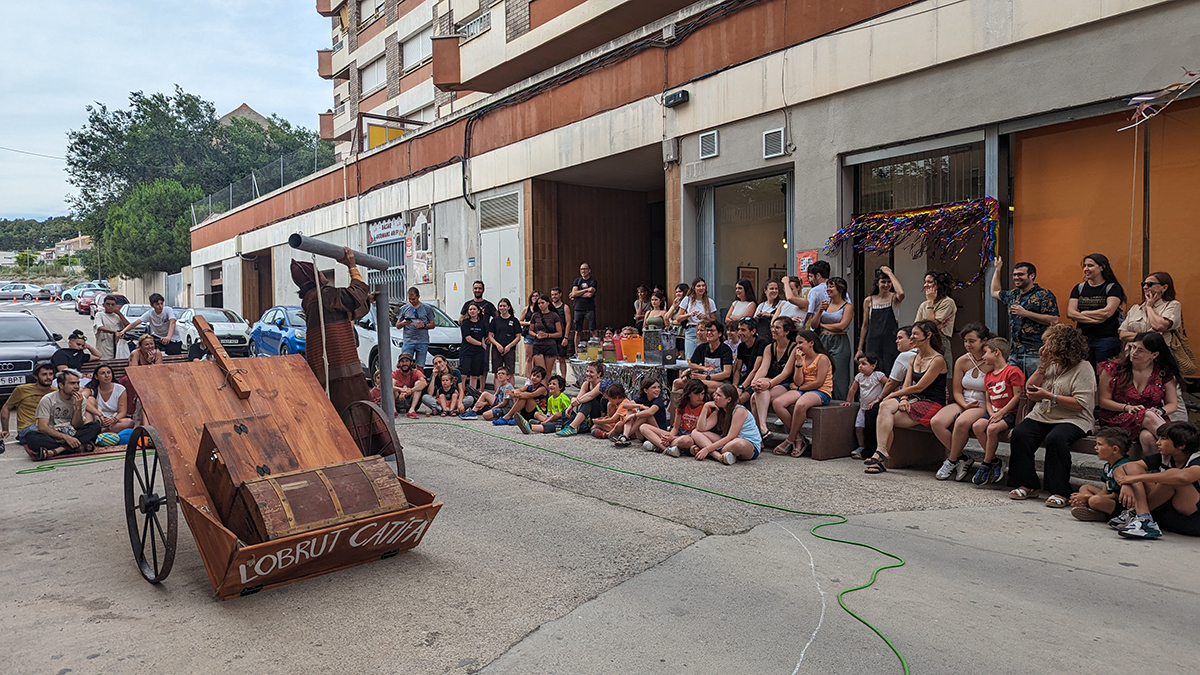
(508, 262)
(456, 285)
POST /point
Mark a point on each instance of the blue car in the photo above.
(279, 331)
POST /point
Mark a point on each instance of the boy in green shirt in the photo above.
(551, 420)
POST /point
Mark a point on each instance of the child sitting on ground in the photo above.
(683, 421)
(495, 404)
(557, 403)
(1172, 482)
(615, 395)
(526, 401)
(1002, 384)
(869, 385)
(446, 392)
(646, 409)
(1097, 504)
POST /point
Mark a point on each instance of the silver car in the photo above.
(445, 338)
(231, 329)
(18, 291)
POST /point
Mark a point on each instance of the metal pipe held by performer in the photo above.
(310, 245)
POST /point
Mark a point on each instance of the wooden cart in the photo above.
(275, 486)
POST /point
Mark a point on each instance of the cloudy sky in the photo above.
(261, 53)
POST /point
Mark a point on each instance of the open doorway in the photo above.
(258, 285)
(750, 231)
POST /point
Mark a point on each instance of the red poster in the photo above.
(803, 260)
(408, 247)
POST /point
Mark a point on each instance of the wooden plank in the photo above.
(179, 399)
(233, 373)
(216, 543)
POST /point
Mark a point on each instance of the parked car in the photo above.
(98, 303)
(18, 291)
(445, 338)
(24, 343)
(87, 300)
(232, 330)
(132, 312)
(56, 290)
(102, 284)
(281, 330)
(73, 292)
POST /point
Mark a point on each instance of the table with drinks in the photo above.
(625, 359)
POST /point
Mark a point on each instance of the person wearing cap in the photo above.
(107, 324)
(408, 383)
(748, 357)
(75, 354)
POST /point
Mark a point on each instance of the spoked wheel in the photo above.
(150, 499)
(372, 432)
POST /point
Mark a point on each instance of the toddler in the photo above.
(869, 385)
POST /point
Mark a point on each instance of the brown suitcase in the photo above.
(281, 505)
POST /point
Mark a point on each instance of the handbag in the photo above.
(1182, 351)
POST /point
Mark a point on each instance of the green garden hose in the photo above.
(838, 518)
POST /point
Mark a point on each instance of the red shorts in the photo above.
(922, 411)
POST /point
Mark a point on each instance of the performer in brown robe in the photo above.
(342, 307)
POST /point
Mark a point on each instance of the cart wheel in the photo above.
(149, 497)
(372, 432)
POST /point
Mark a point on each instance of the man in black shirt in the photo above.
(748, 357)
(583, 292)
(712, 362)
(487, 312)
(75, 354)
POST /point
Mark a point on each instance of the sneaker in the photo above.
(728, 458)
(499, 422)
(469, 415)
(1088, 515)
(962, 468)
(672, 451)
(982, 474)
(1122, 519)
(512, 422)
(945, 471)
(650, 447)
(858, 452)
(600, 433)
(997, 471)
(522, 424)
(411, 415)
(566, 431)
(1141, 527)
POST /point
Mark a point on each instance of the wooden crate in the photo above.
(234, 451)
(286, 504)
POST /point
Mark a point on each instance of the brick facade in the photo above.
(516, 18)
(352, 29)
(395, 64)
(391, 11)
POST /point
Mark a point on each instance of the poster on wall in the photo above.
(422, 267)
(422, 228)
(387, 228)
(408, 247)
(777, 273)
(749, 274)
(803, 260)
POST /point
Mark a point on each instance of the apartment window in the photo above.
(367, 10)
(373, 75)
(426, 114)
(418, 48)
(920, 180)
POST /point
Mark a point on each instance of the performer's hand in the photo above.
(347, 257)
(371, 297)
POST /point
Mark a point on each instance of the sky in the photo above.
(262, 53)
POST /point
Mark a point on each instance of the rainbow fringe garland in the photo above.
(942, 230)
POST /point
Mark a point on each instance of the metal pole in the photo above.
(383, 328)
(1146, 199)
(229, 207)
(281, 171)
(310, 245)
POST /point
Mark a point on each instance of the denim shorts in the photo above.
(825, 398)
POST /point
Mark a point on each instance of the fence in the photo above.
(286, 170)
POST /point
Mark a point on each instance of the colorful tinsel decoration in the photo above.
(943, 230)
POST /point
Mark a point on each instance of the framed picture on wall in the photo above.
(777, 273)
(749, 274)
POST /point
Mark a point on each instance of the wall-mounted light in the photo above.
(785, 243)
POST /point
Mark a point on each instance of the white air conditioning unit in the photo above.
(773, 143)
(709, 147)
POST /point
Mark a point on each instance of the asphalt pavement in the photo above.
(540, 563)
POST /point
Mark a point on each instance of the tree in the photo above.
(88, 260)
(148, 230)
(22, 234)
(27, 258)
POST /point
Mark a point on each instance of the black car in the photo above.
(24, 343)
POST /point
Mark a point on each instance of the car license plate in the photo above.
(12, 379)
(229, 341)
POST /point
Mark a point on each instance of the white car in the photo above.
(232, 330)
(445, 338)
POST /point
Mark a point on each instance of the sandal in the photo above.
(858, 453)
(620, 440)
(1056, 502)
(783, 448)
(800, 447)
(877, 463)
(1023, 493)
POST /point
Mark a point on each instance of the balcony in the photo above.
(329, 7)
(559, 30)
(325, 63)
(329, 128)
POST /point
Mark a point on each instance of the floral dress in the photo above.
(1153, 396)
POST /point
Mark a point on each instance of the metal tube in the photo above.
(310, 245)
(383, 328)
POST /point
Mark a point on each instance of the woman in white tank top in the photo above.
(952, 424)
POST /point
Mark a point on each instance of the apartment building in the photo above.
(660, 141)
(380, 64)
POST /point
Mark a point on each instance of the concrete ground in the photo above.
(541, 564)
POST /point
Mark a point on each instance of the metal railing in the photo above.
(475, 26)
(284, 171)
